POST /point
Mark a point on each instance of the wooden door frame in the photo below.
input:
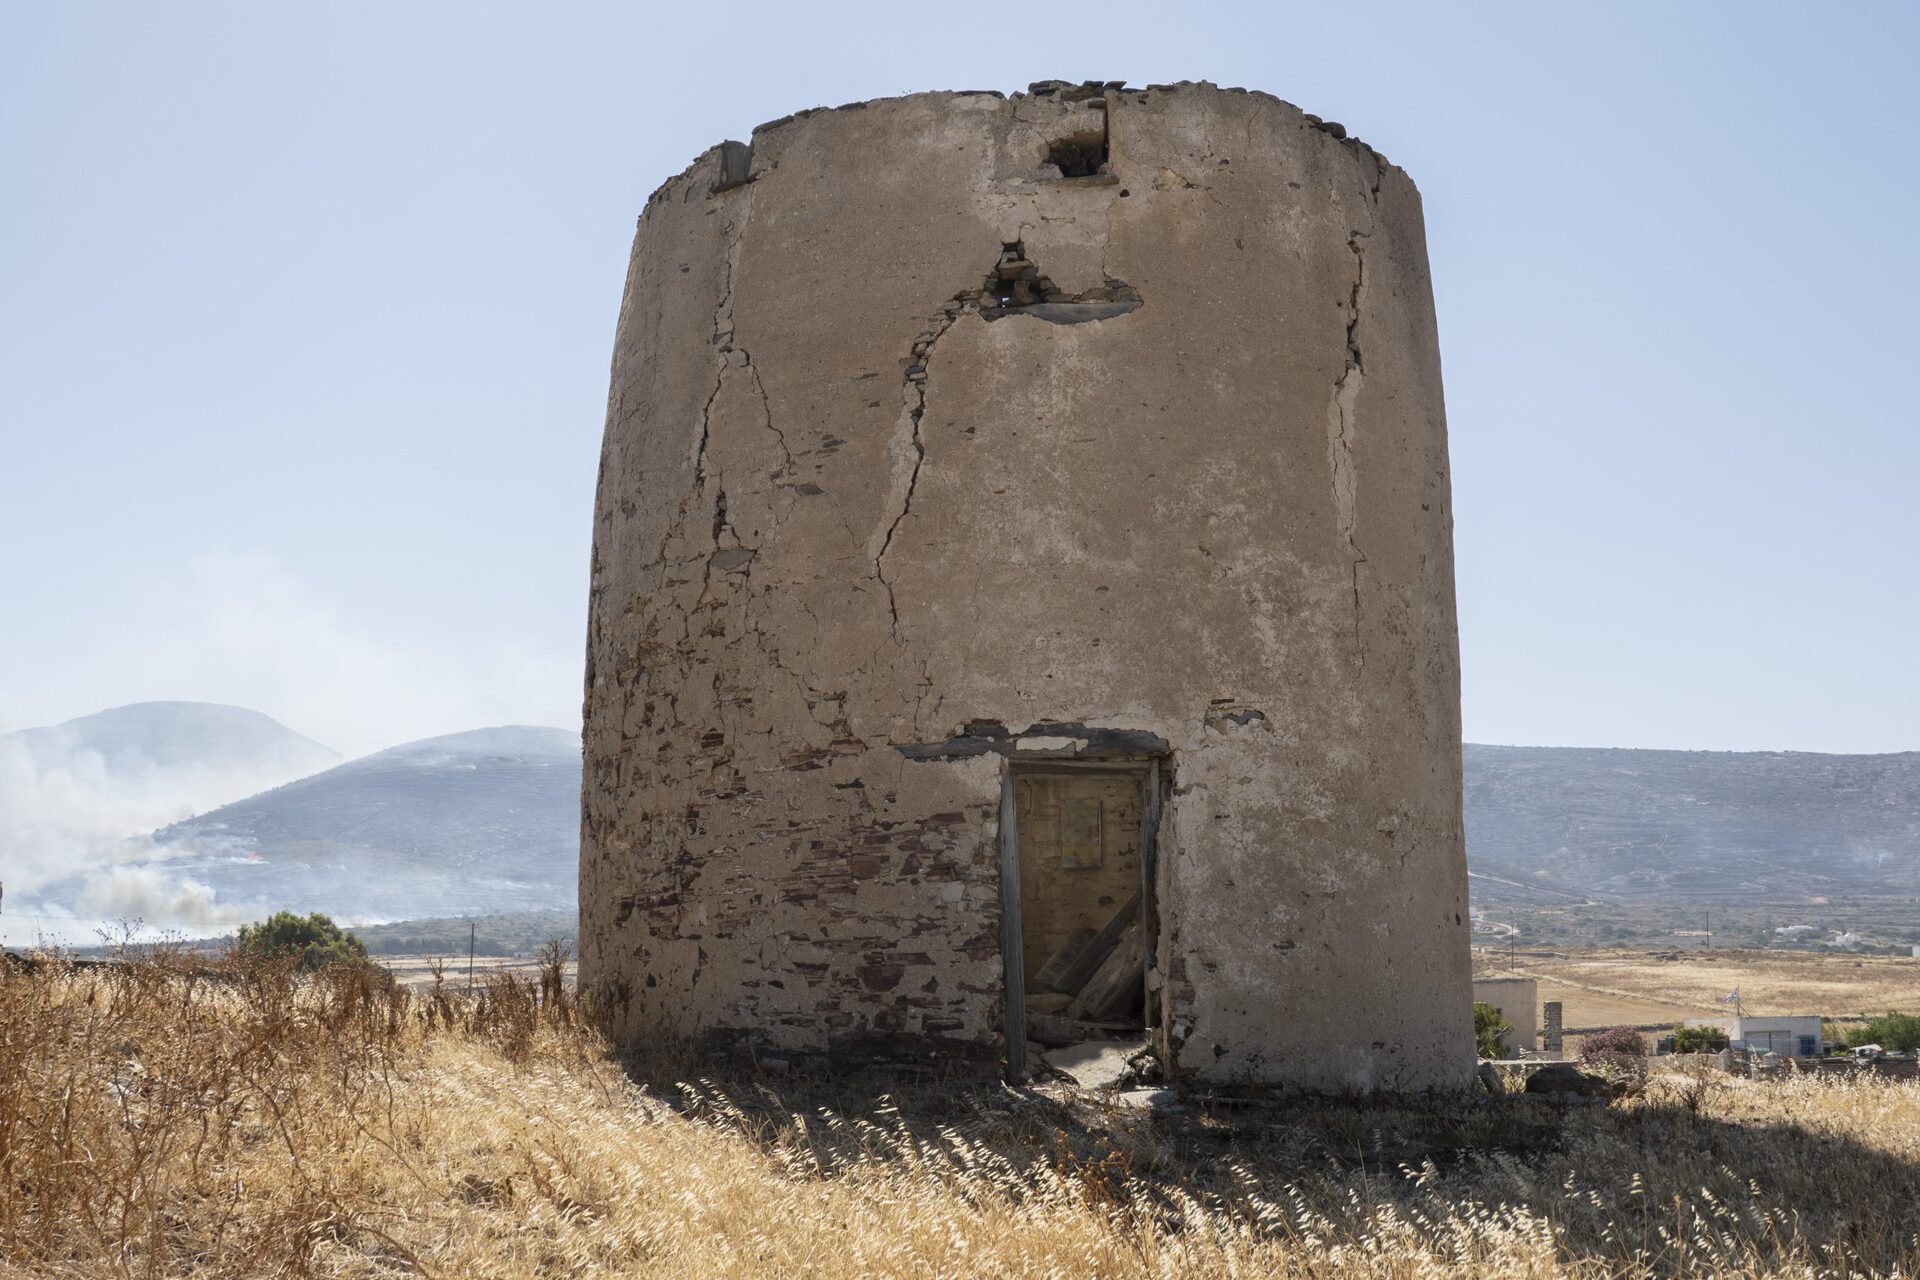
(1012, 938)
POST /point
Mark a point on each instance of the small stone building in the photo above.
(1022, 598)
(1518, 1001)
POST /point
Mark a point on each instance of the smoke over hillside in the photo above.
(471, 823)
(77, 799)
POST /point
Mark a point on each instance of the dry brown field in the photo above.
(418, 972)
(168, 1120)
(1619, 987)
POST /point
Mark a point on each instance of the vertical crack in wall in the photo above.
(766, 412)
(733, 359)
(906, 441)
(1015, 287)
(723, 352)
(1342, 422)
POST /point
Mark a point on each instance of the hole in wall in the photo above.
(1017, 286)
(1016, 281)
(1079, 155)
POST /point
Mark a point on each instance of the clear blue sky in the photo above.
(305, 313)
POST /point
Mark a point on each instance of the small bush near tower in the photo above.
(315, 940)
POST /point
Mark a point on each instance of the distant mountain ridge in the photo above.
(498, 811)
(475, 822)
(487, 821)
(178, 736)
(1620, 824)
(72, 795)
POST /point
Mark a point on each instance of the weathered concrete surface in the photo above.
(1096, 1064)
(841, 514)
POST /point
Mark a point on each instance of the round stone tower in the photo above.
(1022, 603)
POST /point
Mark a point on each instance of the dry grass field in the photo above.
(1614, 987)
(421, 972)
(166, 1119)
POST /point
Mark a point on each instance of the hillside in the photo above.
(479, 822)
(487, 822)
(73, 794)
(177, 737)
(1552, 823)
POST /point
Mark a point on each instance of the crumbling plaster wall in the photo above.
(840, 514)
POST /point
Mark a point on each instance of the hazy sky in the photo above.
(305, 313)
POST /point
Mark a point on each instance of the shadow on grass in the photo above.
(1684, 1179)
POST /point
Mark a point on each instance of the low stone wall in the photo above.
(1898, 1068)
(1691, 1061)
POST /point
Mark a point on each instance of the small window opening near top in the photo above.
(1079, 155)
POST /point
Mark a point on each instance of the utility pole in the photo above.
(1709, 928)
(470, 934)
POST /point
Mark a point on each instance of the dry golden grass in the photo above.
(1613, 986)
(421, 972)
(158, 1121)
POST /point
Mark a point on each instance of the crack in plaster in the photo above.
(723, 341)
(766, 413)
(1014, 287)
(913, 394)
(1342, 422)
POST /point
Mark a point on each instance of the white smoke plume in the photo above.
(68, 820)
(151, 896)
(65, 815)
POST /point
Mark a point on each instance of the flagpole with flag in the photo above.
(1733, 998)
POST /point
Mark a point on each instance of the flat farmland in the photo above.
(416, 972)
(1609, 987)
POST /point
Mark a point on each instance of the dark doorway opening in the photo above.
(1077, 862)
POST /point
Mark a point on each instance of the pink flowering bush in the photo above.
(1615, 1051)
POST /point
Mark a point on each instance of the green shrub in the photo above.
(1488, 1027)
(316, 940)
(1897, 1032)
(1699, 1040)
